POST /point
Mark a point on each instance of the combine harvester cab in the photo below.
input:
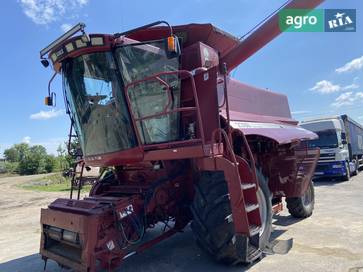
(150, 105)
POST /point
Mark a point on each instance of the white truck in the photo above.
(341, 146)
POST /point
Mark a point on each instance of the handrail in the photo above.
(250, 154)
(226, 100)
(228, 143)
(230, 149)
(81, 161)
(186, 74)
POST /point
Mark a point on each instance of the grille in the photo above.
(327, 155)
(321, 168)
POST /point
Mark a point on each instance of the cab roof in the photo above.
(216, 38)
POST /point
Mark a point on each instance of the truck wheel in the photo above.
(355, 172)
(211, 210)
(347, 170)
(302, 207)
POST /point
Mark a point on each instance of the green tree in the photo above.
(29, 160)
(61, 151)
(16, 153)
(73, 153)
(50, 163)
(34, 161)
(11, 167)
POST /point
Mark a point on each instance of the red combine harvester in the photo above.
(180, 141)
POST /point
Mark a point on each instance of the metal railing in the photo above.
(166, 111)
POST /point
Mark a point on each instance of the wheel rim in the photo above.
(347, 168)
(263, 210)
(307, 197)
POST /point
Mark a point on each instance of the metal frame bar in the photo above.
(165, 112)
(65, 36)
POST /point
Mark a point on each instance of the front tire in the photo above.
(302, 207)
(347, 171)
(211, 210)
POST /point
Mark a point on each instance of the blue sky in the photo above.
(321, 73)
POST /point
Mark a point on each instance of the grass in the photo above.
(52, 183)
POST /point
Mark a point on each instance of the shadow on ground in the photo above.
(321, 182)
(285, 220)
(178, 253)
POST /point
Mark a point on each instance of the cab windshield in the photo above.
(95, 96)
(95, 90)
(327, 139)
(136, 62)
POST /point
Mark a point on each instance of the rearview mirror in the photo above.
(172, 47)
(50, 100)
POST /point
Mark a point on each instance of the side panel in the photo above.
(248, 99)
(354, 134)
(205, 83)
(290, 173)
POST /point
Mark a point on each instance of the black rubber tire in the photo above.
(211, 208)
(298, 206)
(356, 168)
(347, 168)
(263, 186)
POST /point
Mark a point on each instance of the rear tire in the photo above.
(302, 207)
(211, 209)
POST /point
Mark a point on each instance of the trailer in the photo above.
(341, 146)
(354, 138)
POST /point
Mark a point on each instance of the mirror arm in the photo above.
(50, 82)
(50, 100)
(117, 35)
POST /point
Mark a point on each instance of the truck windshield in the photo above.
(138, 61)
(327, 139)
(96, 99)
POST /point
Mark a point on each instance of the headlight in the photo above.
(97, 41)
(59, 234)
(54, 233)
(70, 236)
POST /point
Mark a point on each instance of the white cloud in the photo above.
(43, 12)
(300, 112)
(66, 27)
(353, 65)
(26, 140)
(351, 86)
(45, 115)
(326, 87)
(51, 144)
(347, 98)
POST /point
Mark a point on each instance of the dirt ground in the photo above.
(331, 240)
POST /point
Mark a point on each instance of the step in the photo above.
(251, 207)
(253, 254)
(254, 230)
(246, 186)
(229, 218)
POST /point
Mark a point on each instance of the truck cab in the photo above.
(336, 159)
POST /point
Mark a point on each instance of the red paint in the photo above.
(153, 183)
